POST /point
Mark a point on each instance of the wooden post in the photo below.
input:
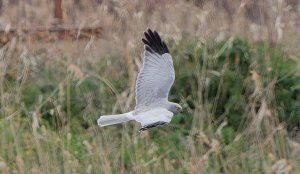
(1, 5)
(58, 11)
(58, 18)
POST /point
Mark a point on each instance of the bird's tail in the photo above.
(114, 119)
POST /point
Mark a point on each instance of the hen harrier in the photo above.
(152, 88)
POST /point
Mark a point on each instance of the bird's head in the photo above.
(175, 108)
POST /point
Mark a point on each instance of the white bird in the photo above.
(152, 88)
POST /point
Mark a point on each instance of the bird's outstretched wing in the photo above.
(157, 74)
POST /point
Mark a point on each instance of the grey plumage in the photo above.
(153, 84)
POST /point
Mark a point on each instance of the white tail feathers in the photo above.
(114, 119)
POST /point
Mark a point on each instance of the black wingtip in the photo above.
(154, 43)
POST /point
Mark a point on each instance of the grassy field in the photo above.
(240, 95)
(239, 101)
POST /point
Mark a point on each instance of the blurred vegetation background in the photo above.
(237, 71)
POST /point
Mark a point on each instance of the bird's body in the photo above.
(152, 88)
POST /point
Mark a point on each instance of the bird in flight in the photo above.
(153, 85)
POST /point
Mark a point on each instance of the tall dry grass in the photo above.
(101, 73)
